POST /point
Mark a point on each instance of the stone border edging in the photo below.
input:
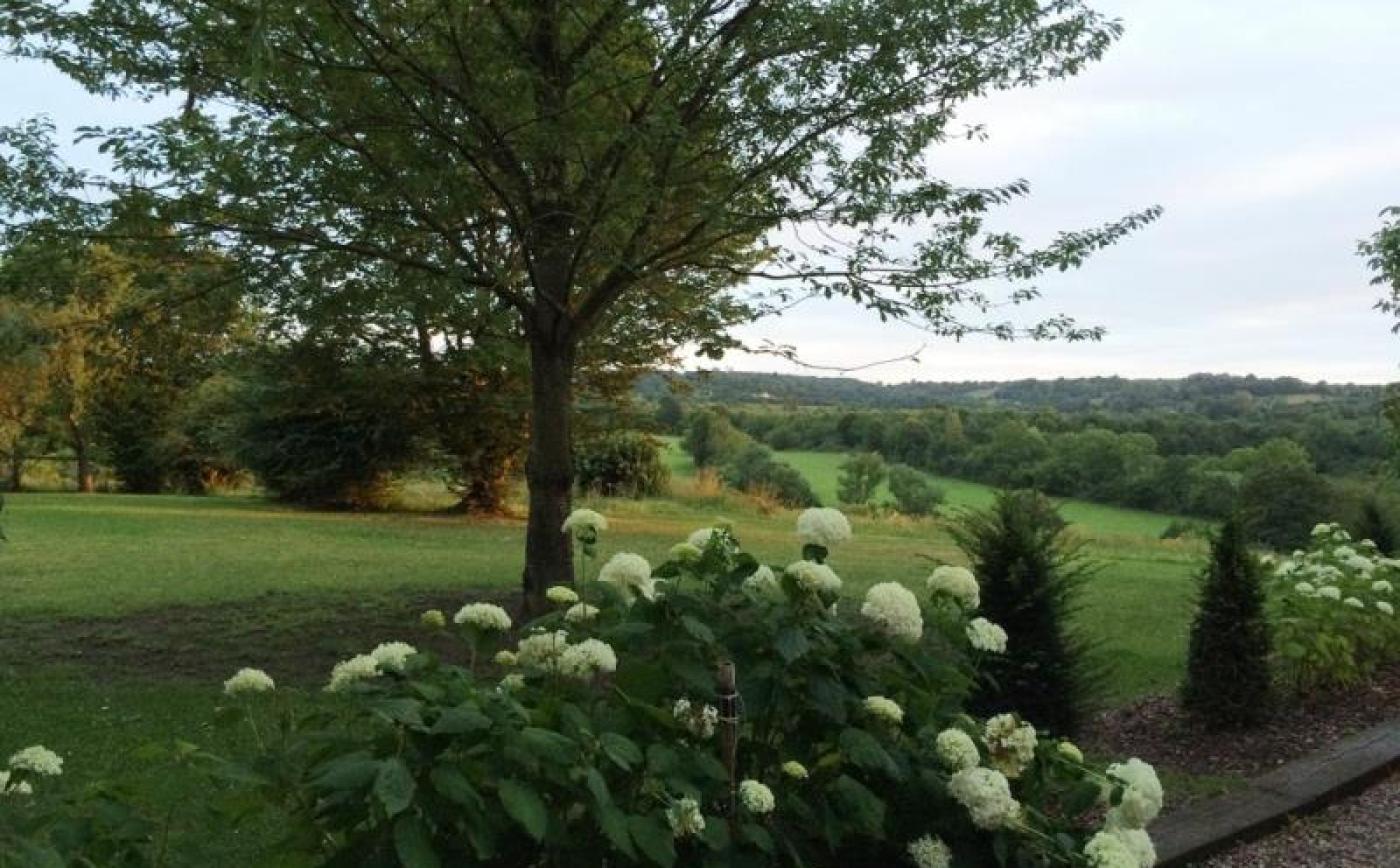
(1270, 800)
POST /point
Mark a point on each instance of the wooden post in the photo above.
(729, 733)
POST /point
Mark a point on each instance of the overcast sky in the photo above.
(1269, 130)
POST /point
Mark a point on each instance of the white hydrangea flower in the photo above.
(1069, 750)
(561, 595)
(1381, 586)
(884, 708)
(685, 818)
(986, 794)
(815, 577)
(512, 682)
(631, 573)
(1142, 795)
(483, 616)
(1330, 592)
(930, 852)
(391, 656)
(1360, 563)
(434, 618)
(580, 612)
(1344, 553)
(585, 523)
(506, 657)
(756, 797)
(540, 651)
(958, 583)
(1109, 850)
(1305, 589)
(685, 553)
(38, 760)
(700, 538)
(249, 680)
(588, 659)
(823, 526)
(795, 770)
(1139, 843)
(894, 610)
(700, 720)
(1354, 602)
(1010, 743)
(1385, 607)
(764, 584)
(986, 636)
(361, 667)
(957, 750)
(22, 788)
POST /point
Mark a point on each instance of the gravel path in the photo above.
(1361, 832)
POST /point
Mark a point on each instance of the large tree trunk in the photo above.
(80, 450)
(549, 469)
(16, 467)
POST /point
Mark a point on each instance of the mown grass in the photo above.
(115, 560)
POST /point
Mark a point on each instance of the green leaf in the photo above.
(620, 749)
(863, 749)
(757, 836)
(697, 628)
(394, 786)
(402, 709)
(413, 843)
(862, 808)
(613, 824)
(524, 806)
(828, 697)
(654, 838)
(598, 787)
(791, 643)
(454, 785)
(348, 772)
(459, 720)
(549, 744)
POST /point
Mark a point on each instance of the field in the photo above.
(120, 615)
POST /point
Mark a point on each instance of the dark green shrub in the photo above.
(755, 470)
(1179, 528)
(861, 474)
(1228, 684)
(1373, 523)
(913, 493)
(1280, 504)
(622, 464)
(1030, 574)
(321, 428)
(711, 439)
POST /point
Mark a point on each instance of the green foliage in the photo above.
(755, 470)
(622, 464)
(100, 827)
(321, 428)
(1181, 529)
(711, 439)
(670, 413)
(913, 493)
(430, 763)
(1332, 607)
(861, 474)
(1228, 681)
(1281, 497)
(1031, 575)
(1375, 524)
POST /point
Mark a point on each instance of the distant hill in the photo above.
(1212, 394)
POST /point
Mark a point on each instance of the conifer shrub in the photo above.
(913, 493)
(1031, 572)
(1228, 682)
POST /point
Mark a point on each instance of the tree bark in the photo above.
(549, 469)
(80, 450)
(16, 467)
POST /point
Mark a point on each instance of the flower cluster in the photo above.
(986, 794)
(894, 611)
(986, 636)
(700, 720)
(685, 818)
(823, 527)
(930, 852)
(1142, 795)
(486, 617)
(392, 656)
(585, 524)
(248, 680)
(37, 759)
(361, 667)
(957, 750)
(763, 584)
(629, 573)
(1010, 743)
(561, 595)
(552, 653)
(756, 797)
(885, 709)
(957, 583)
(814, 577)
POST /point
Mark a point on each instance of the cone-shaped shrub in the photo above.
(1228, 683)
(1030, 573)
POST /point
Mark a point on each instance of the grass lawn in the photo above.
(120, 615)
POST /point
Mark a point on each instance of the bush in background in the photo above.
(711, 439)
(1228, 682)
(755, 470)
(860, 475)
(622, 464)
(1030, 574)
(912, 491)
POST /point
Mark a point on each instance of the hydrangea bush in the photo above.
(1333, 610)
(611, 740)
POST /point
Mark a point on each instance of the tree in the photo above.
(573, 157)
(755, 470)
(711, 439)
(23, 383)
(913, 493)
(860, 474)
(1030, 574)
(1228, 683)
